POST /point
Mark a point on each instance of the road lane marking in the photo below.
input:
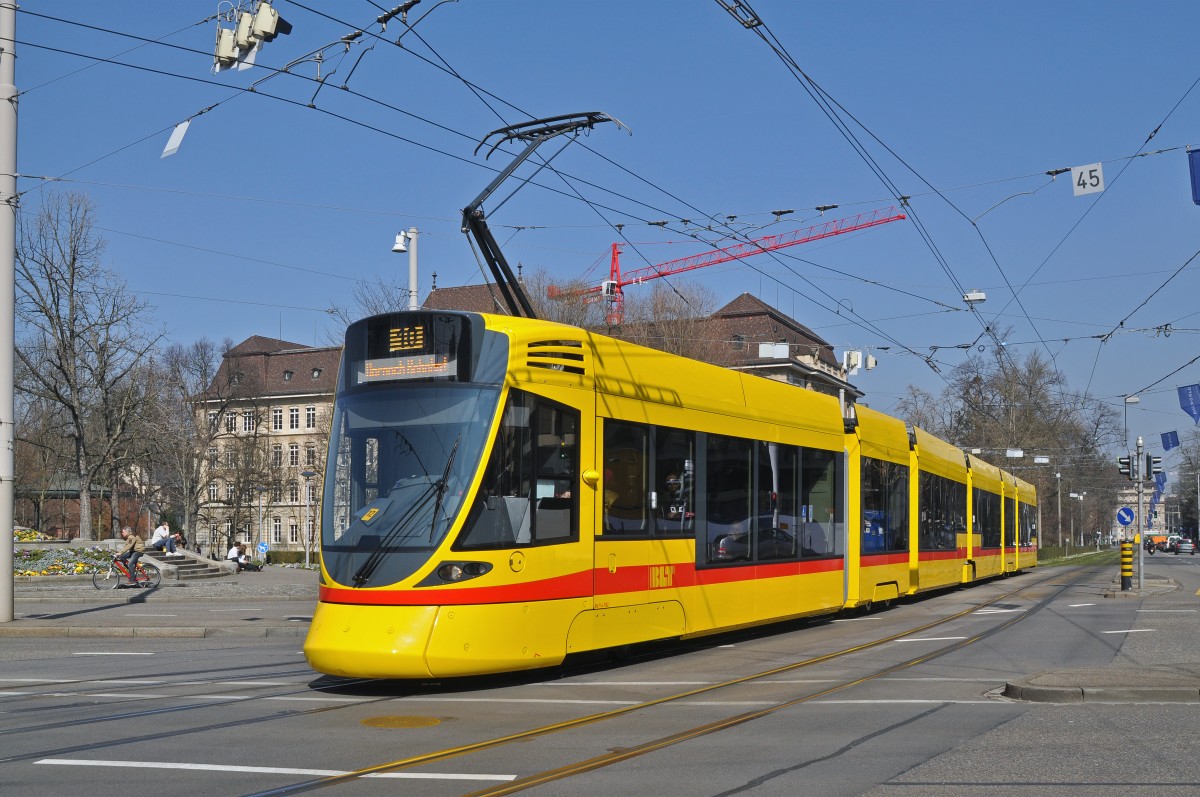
(1130, 631)
(1079, 605)
(111, 653)
(321, 773)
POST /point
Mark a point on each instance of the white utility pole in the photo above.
(8, 257)
(413, 304)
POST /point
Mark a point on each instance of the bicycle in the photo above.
(118, 574)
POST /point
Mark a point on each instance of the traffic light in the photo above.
(1125, 465)
(1153, 466)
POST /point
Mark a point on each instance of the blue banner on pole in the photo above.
(1194, 168)
(1170, 440)
(1189, 398)
(1160, 480)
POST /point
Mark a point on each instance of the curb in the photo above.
(1102, 694)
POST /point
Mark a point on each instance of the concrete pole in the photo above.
(1058, 483)
(8, 256)
(1135, 471)
(413, 303)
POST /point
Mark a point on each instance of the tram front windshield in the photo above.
(404, 459)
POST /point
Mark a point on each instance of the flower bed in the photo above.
(61, 562)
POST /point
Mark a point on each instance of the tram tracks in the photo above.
(626, 753)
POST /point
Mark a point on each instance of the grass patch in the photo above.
(1089, 559)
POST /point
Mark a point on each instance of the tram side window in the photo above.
(528, 494)
(727, 499)
(821, 505)
(1010, 521)
(675, 475)
(775, 501)
(942, 505)
(884, 498)
(1027, 516)
(987, 517)
(626, 485)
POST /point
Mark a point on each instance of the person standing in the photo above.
(134, 547)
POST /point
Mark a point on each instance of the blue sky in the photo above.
(271, 210)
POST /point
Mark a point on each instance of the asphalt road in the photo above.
(923, 714)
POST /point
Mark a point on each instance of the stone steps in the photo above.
(188, 567)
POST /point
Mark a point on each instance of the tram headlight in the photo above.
(462, 571)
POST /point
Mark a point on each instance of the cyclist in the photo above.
(134, 547)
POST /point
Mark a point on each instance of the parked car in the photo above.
(1185, 546)
(772, 544)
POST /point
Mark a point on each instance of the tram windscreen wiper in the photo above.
(441, 487)
(363, 574)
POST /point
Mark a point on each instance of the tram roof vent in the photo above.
(557, 355)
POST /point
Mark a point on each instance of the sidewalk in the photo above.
(277, 602)
(1168, 669)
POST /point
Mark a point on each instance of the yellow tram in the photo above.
(502, 492)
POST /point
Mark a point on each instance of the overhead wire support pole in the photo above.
(8, 249)
(533, 134)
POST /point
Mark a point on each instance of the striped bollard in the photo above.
(1126, 566)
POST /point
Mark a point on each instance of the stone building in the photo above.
(267, 411)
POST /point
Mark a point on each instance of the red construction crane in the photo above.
(612, 288)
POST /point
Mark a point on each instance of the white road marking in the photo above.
(1168, 611)
(111, 653)
(997, 611)
(1130, 631)
(1079, 605)
(327, 773)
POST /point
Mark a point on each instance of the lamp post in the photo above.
(261, 533)
(1134, 399)
(1058, 483)
(1078, 496)
(308, 474)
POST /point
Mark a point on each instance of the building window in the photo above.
(213, 415)
(738, 343)
(309, 489)
(231, 421)
(287, 376)
(277, 529)
(231, 458)
(293, 532)
(228, 528)
(277, 455)
(276, 493)
(293, 417)
(310, 417)
(247, 421)
(294, 454)
(294, 492)
(213, 491)
(316, 373)
(310, 454)
(229, 493)
(213, 457)
(277, 419)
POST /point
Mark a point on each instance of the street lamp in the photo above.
(1129, 400)
(261, 533)
(1080, 497)
(1058, 491)
(308, 474)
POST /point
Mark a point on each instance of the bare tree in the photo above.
(673, 318)
(81, 338)
(998, 401)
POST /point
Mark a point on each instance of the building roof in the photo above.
(267, 367)
(468, 298)
(749, 319)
